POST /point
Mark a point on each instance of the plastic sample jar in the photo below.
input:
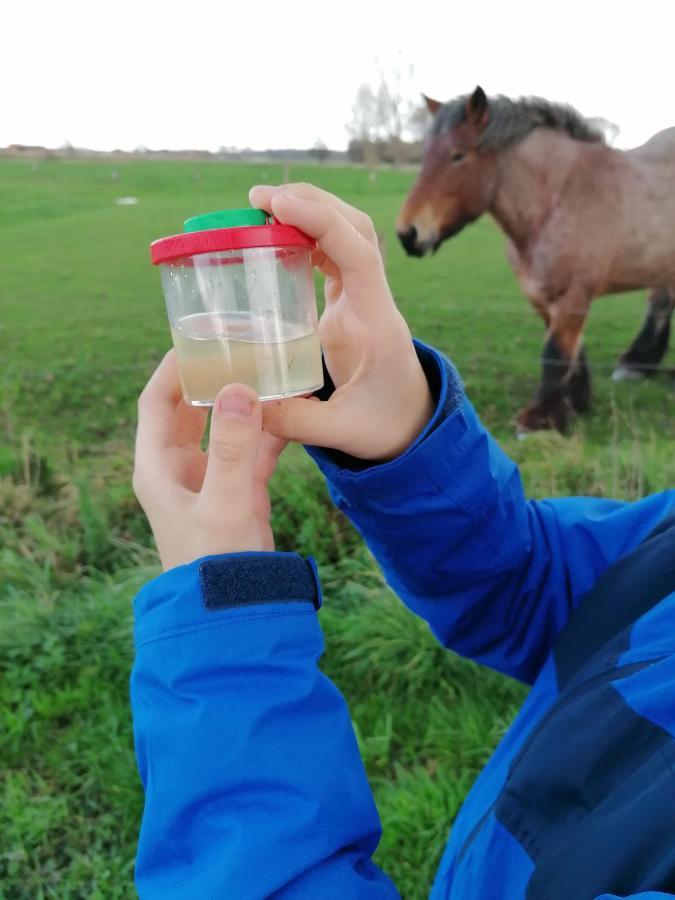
(240, 298)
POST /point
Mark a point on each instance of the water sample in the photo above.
(277, 359)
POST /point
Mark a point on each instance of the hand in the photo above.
(382, 400)
(197, 503)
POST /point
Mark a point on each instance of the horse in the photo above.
(582, 219)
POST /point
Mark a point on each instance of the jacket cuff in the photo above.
(447, 391)
(237, 584)
(426, 470)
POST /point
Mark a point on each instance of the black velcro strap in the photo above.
(249, 579)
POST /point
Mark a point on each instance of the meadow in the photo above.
(82, 326)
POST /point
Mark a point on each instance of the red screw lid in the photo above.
(191, 243)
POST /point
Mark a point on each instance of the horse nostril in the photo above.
(409, 240)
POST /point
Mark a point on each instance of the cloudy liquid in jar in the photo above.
(215, 349)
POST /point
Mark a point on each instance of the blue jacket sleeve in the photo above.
(254, 786)
(494, 574)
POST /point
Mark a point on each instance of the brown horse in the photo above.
(582, 220)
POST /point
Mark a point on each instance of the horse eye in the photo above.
(457, 157)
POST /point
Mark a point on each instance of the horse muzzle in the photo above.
(411, 243)
(414, 245)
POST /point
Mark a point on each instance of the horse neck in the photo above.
(530, 177)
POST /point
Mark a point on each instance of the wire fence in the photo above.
(500, 362)
(500, 365)
(487, 309)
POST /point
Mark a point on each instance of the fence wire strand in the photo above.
(498, 363)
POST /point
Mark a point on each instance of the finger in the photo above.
(271, 447)
(234, 442)
(355, 257)
(157, 408)
(261, 197)
(325, 265)
(322, 424)
(190, 423)
(262, 505)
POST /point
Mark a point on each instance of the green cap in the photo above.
(226, 218)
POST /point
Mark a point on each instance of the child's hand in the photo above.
(197, 503)
(382, 400)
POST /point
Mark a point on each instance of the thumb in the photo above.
(234, 441)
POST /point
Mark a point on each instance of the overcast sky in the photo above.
(260, 74)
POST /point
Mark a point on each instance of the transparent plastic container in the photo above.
(240, 298)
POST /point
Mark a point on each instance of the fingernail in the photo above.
(235, 405)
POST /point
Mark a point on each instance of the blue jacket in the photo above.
(253, 782)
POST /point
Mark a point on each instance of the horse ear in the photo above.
(432, 105)
(477, 108)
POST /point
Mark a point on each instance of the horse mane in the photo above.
(510, 121)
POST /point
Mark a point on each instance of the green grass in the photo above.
(82, 325)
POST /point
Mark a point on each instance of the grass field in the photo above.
(82, 325)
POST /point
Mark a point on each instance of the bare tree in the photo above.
(363, 125)
(320, 151)
(382, 119)
(418, 122)
(394, 108)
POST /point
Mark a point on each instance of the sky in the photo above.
(260, 74)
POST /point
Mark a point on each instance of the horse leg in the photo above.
(649, 347)
(579, 384)
(565, 379)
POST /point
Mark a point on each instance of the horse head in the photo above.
(457, 179)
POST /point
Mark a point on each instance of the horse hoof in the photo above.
(623, 373)
(542, 418)
(532, 419)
